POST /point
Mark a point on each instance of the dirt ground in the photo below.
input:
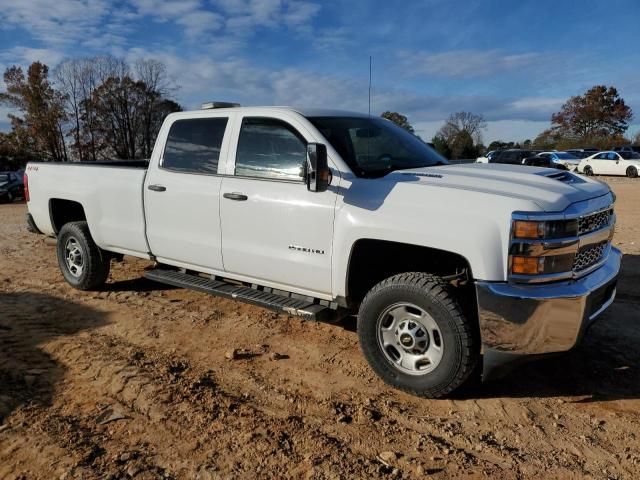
(133, 382)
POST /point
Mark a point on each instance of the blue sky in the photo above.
(515, 62)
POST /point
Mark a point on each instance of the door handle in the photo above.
(157, 188)
(235, 196)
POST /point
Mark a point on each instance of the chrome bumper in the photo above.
(517, 319)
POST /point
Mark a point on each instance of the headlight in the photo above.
(541, 265)
(549, 229)
(542, 250)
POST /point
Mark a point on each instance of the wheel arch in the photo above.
(62, 211)
(373, 260)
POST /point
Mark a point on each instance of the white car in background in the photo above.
(611, 163)
(486, 158)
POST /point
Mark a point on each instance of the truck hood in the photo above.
(551, 189)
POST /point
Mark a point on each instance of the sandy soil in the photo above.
(133, 382)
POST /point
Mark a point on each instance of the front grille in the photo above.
(595, 221)
(589, 256)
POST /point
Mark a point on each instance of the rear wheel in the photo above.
(588, 171)
(84, 265)
(632, 172)
(415, 337)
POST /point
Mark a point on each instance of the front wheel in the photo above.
(588, 171)
(415, 337)
(632, 172)
(84, 265)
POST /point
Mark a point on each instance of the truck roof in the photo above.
(304, 111)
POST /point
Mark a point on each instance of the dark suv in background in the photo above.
(514, 156)
(628, 148)
(11, 186)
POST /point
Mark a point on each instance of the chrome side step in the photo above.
(284, 302)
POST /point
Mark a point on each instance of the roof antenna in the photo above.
(370, 61)
(369, 122)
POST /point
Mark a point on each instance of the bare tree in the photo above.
(462, 132)
(468, 122)
(399, 120)
(153, 74)
(68, 76)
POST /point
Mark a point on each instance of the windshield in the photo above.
(373, 147)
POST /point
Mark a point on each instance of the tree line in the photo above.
(101, 108)
(599, 118)
(86, 109)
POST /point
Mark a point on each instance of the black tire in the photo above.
(588, 171)
(632, 172)
(460, 347)
(93, 266)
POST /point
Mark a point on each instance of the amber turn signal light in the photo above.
(527, 265)
(527, 229)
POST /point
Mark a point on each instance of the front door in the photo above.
(598, 163)
(605, 163)
(181, 195)
(275, 231)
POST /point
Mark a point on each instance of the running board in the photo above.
(292, 304)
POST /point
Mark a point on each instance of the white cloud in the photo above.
(198, 23)
(245, 14)
(468, 63)
(166, 9)
(26, 55)
(55, 22)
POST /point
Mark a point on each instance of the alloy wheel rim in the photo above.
(74, 257)
(410, 338)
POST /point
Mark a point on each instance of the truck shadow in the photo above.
(605, 366)
(140, 284)
(371, 195)
(29, 321)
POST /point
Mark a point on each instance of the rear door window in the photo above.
(193, 145)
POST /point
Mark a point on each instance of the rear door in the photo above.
(182, 194)
(274, 231)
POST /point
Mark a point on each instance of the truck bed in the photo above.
(101, 163)
(109, 192)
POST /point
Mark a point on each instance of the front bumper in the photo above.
(519, 320)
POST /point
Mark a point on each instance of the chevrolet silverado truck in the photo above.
(452, 271)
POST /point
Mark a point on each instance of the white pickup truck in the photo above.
(451, 270)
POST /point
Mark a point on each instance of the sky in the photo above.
(515, 62)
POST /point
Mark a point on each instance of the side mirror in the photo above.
(317, 172)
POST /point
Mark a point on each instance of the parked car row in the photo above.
(624, 160)
(11, 186)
